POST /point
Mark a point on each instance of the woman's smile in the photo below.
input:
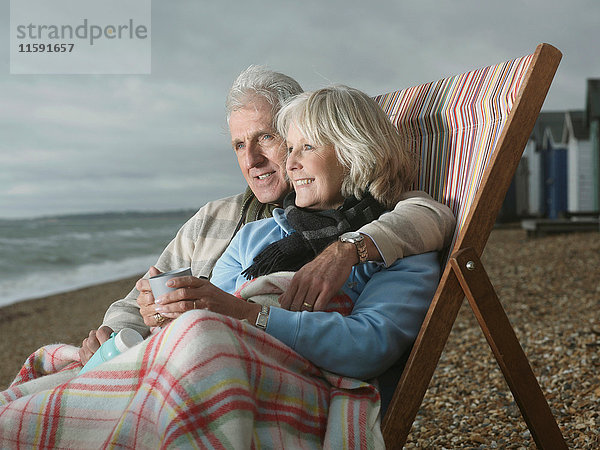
(303, 181)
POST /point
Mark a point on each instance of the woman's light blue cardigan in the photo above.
(390, 304)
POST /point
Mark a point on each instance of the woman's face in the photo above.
(315, 173)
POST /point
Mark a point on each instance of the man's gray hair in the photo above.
(259, 81)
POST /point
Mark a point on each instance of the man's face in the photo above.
(260, 151)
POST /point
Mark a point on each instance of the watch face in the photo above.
(262, 320)
(263, 317)
(351, 236)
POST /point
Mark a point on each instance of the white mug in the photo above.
(158, 283)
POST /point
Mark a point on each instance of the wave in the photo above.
(40, 284)
(104, 235)
(45, 256)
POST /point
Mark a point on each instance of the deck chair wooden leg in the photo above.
(422, 362)
(507, 349)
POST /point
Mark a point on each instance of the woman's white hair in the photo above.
(366, 143)
(260, 82)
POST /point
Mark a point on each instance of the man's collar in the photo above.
(253, 210)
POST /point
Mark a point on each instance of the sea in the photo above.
(49, 255)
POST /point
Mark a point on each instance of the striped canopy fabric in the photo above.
(453, 125)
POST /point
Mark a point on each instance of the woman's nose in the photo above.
(292, 162)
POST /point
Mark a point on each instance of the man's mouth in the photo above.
(303, 181)
(265, 176)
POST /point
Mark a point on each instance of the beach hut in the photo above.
(580, 163)
(558, 173)
(561, 163)
(554, 173)
(593, 122)
(546, 134)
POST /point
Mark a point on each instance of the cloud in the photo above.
(73, 143)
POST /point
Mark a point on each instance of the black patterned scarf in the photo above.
(315, 230)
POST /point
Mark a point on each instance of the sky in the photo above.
(158, 141)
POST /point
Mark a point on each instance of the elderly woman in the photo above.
(347, 165)
(208, 380)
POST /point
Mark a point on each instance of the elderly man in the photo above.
(417, 224)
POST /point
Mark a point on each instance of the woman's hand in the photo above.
(198, 293)
(146, 301)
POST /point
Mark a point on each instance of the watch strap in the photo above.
(361, 249)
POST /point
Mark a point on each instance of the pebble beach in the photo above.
(549, 287)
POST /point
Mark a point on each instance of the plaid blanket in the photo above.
(205, 381)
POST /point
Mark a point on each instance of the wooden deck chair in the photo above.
(470, 131)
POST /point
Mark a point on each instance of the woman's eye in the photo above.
(308, 147)
(267, 137)
(290, 150)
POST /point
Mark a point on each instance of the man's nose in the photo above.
(254, 155)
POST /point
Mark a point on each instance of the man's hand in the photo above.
(198, 293)
(93, 342)
(321, 279)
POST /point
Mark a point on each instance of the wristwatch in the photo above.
(263, 318)
(358, 240)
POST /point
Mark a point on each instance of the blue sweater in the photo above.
(389, 306)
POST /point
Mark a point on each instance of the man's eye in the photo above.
(290, 150)
(238, 146)
(267, 137)
(308, 147)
